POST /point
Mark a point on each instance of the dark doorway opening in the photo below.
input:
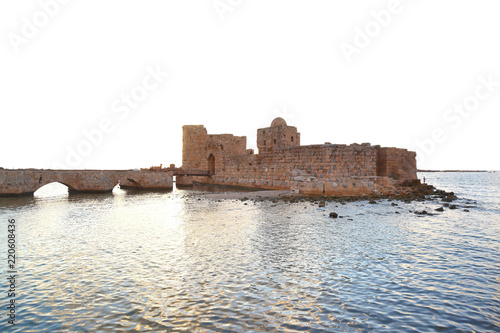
(211, 164)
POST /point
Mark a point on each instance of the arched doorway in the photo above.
(211, 164)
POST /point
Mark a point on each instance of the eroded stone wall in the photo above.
(395, 163)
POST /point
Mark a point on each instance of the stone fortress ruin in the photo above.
(282, 163)
(223, 159)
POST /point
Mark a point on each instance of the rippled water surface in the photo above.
(177, 261)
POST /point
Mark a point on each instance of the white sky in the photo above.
(264, 59)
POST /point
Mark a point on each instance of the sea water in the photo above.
(179, 261)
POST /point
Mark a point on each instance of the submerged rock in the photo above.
(449, 197)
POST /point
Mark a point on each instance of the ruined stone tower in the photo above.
(210, 152)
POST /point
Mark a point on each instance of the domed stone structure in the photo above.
(279, 135)
(278, 122)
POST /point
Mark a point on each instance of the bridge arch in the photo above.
(53, 186)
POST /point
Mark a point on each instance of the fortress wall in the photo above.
(243, 160)
(327, 161)
(256, 177)
(399, 164)
(316, 169)
(279, 178)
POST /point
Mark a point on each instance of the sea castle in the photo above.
(282, 163)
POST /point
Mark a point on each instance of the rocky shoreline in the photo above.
(405, 193)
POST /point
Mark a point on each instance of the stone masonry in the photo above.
(282, 163)
(27, 181)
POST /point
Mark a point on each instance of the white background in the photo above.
(237, 71)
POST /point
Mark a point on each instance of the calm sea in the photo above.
(173, 261)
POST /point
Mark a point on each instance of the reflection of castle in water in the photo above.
(282, 163)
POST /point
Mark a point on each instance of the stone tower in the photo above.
(202, 151)
(193, 142)
(277, 137)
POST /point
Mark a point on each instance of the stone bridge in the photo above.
(183, 172)
(27, 181)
